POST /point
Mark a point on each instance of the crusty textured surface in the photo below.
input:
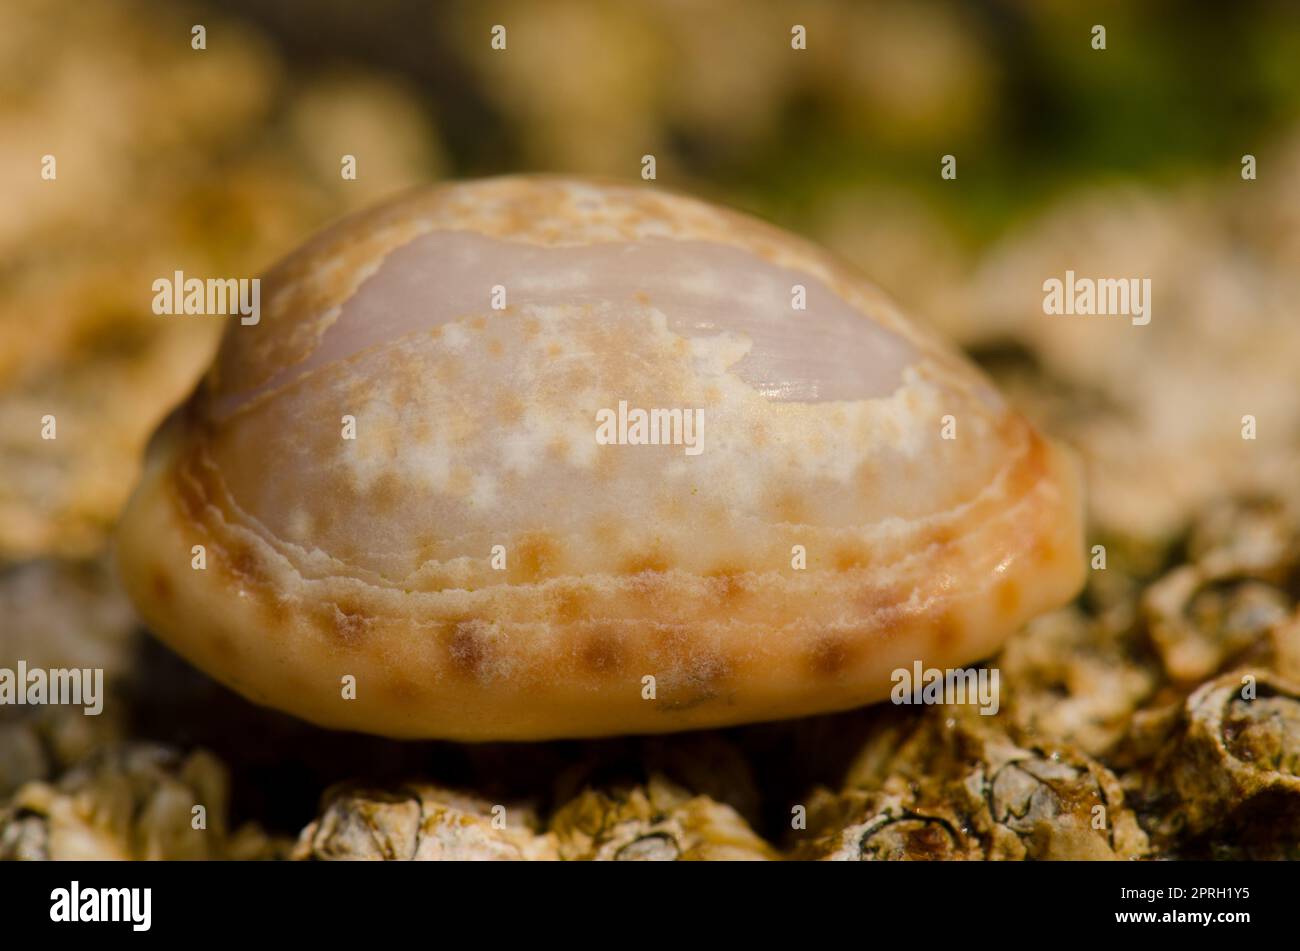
(476, 427)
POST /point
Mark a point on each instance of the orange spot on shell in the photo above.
(536, 556)
(467, 650)
(510, 409)
(726, 584)
(790, 506)
(224, 647)
(571, 606)
(601, 653)
(245, 564)
(446, 372)
(161, 585)
(1008, 597)
(1032, 467)
(946, 632)
(942, 536)
(403, 689)
(866, 481)
(653, 560)
(851, 558)
(345, 622)
(385, 493)
(830, 656)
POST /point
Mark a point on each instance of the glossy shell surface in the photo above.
(861, 497)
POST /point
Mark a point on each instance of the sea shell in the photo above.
(861, 497)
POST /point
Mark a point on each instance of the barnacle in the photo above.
(1231, 761)
(955, 786)
(657, 821)
(420, 822)
(139, 801)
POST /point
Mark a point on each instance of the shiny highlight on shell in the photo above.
(863, 498)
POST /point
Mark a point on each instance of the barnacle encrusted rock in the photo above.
(72, 615)
(421, 822)
(1230, 593)
(130, 802)
(854, 495)
(1078, 677)
(1229, 771)
(652, 821)
(657, 821)
(879, 827)
(957, 786)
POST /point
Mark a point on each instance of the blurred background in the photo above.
(1118, 162)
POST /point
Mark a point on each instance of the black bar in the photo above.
(490, 901)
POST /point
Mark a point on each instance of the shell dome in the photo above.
(533, 457)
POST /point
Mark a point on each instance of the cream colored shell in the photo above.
(372, 557)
